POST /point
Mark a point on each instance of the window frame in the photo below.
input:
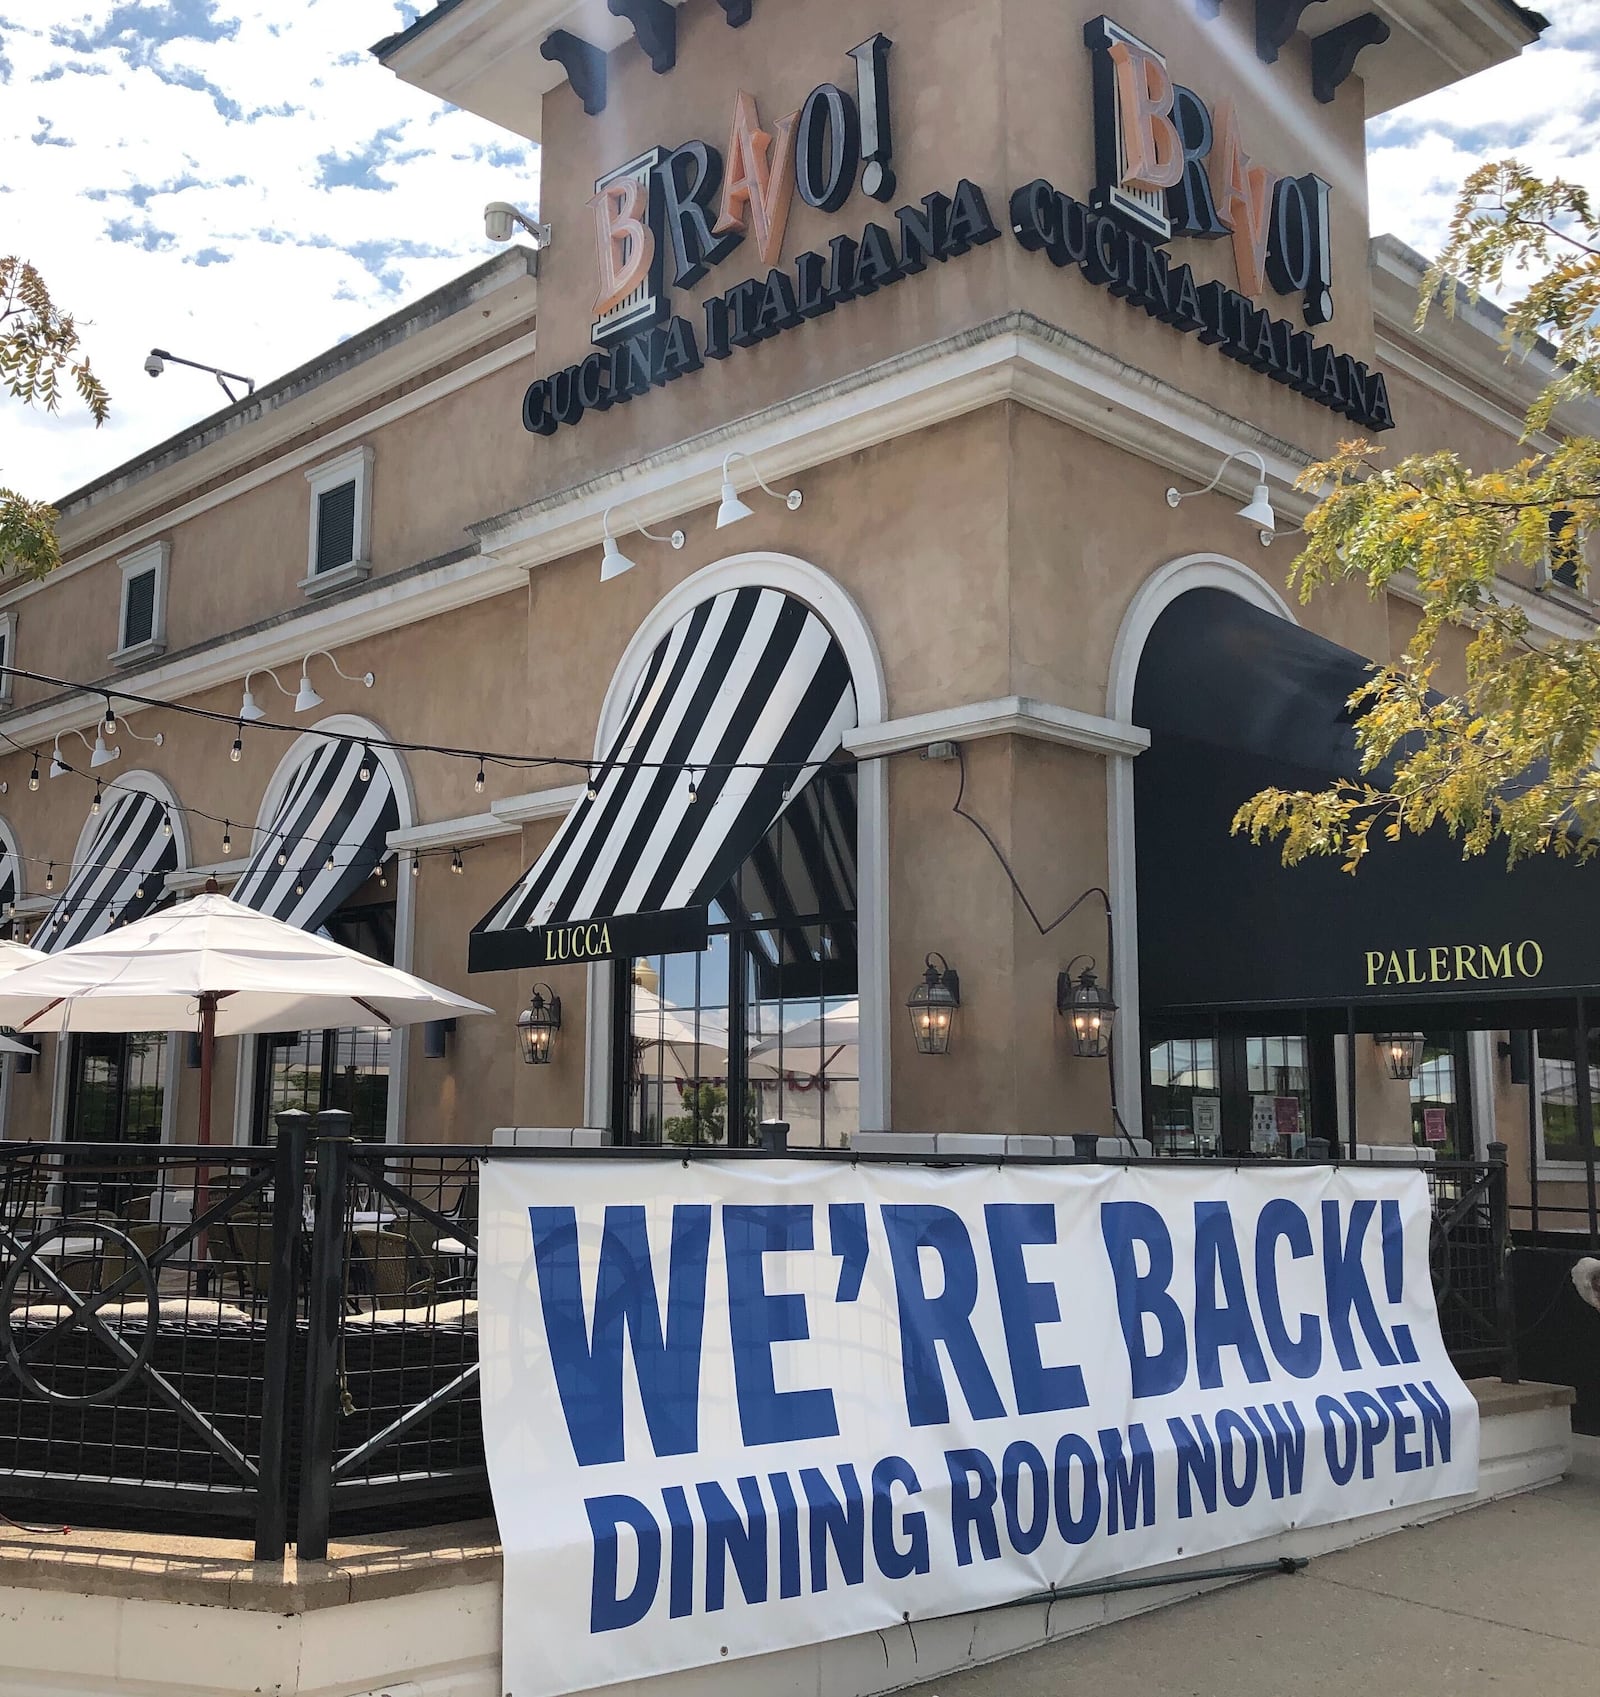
(735, 930)
(1556, 1167)
(156, 557)
(352, 466)
(8, 656)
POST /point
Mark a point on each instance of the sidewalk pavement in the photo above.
(1504, 1598)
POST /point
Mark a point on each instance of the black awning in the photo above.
(734, 712)
(329, 835)
(121, 877)
(1235, 700)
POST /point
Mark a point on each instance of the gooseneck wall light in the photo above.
(1257, 511)
(613, 562)
(933, 1006)
(306, 698)
(732, 509)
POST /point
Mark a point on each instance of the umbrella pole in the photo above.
(202, 1196)
(208, 1045)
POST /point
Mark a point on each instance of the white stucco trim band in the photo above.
(1011, 715)
(1018, 357)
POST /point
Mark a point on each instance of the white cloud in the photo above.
(242, 184)
(1542, 107)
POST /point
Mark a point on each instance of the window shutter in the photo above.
(336, 527)
(1564, 548)
(139, 609)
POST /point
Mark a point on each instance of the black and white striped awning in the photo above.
(328, 836)
(10, 881)
(745, 697)
(120, 878)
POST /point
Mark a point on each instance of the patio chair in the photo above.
(243, 1248)
(388, 1266)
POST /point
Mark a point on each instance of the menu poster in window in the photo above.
(1207, 1119)
(1286, 1114)
(1264, 1125)
(1435, 1125)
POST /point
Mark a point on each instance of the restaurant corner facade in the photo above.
(990, 284)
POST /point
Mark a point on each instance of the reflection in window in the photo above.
(762, 1024)
(1438, 1119)
(117, 1087)
(1557, 1075)
(1185, 1107)
(346, 1069)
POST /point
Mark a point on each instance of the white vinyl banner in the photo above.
(736, 1406)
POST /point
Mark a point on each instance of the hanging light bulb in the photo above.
(283, 858)
(383, 877)
(33, 776)
(166, 824)
(455, 862)
(114, 920)
(94, 806)
(236, 753)
(416, 866)
(139, 893)
(299, 888)
(329, 862)
(109, 723)
(227, 837)
(478, 782)
(694, 789)
(592, 792)
(365, 774)
(50, 876)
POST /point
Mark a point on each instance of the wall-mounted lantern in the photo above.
(537, 1026)
(933, 1006)
(1087, 1004)
(1402, 1051)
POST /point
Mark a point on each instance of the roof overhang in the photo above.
(484, 55)
(1432, 44)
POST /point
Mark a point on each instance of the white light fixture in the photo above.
(58, 767)
(306, 697)
(250, 710)
(1257, 511)
(613, 562)
(501, 219)
(102, 756)
(733, 509)
(159, 739)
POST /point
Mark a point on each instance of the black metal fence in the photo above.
(287, 1338)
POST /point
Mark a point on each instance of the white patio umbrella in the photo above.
(13, 956)
(659, 1024)
(812, 1048)
(226, 969)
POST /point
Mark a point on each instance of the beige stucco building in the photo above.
(918, 278)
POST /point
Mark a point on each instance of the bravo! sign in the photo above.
(737, 1407)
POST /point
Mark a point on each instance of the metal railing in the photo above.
(293, 1343)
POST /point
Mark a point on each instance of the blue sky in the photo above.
(240, 183)
(245, 185)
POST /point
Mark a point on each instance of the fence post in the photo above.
(1500, 1238)
(325, 1309)
(283, 1296)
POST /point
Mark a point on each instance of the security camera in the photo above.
(154, 362)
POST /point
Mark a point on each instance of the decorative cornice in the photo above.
(1011, 715)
